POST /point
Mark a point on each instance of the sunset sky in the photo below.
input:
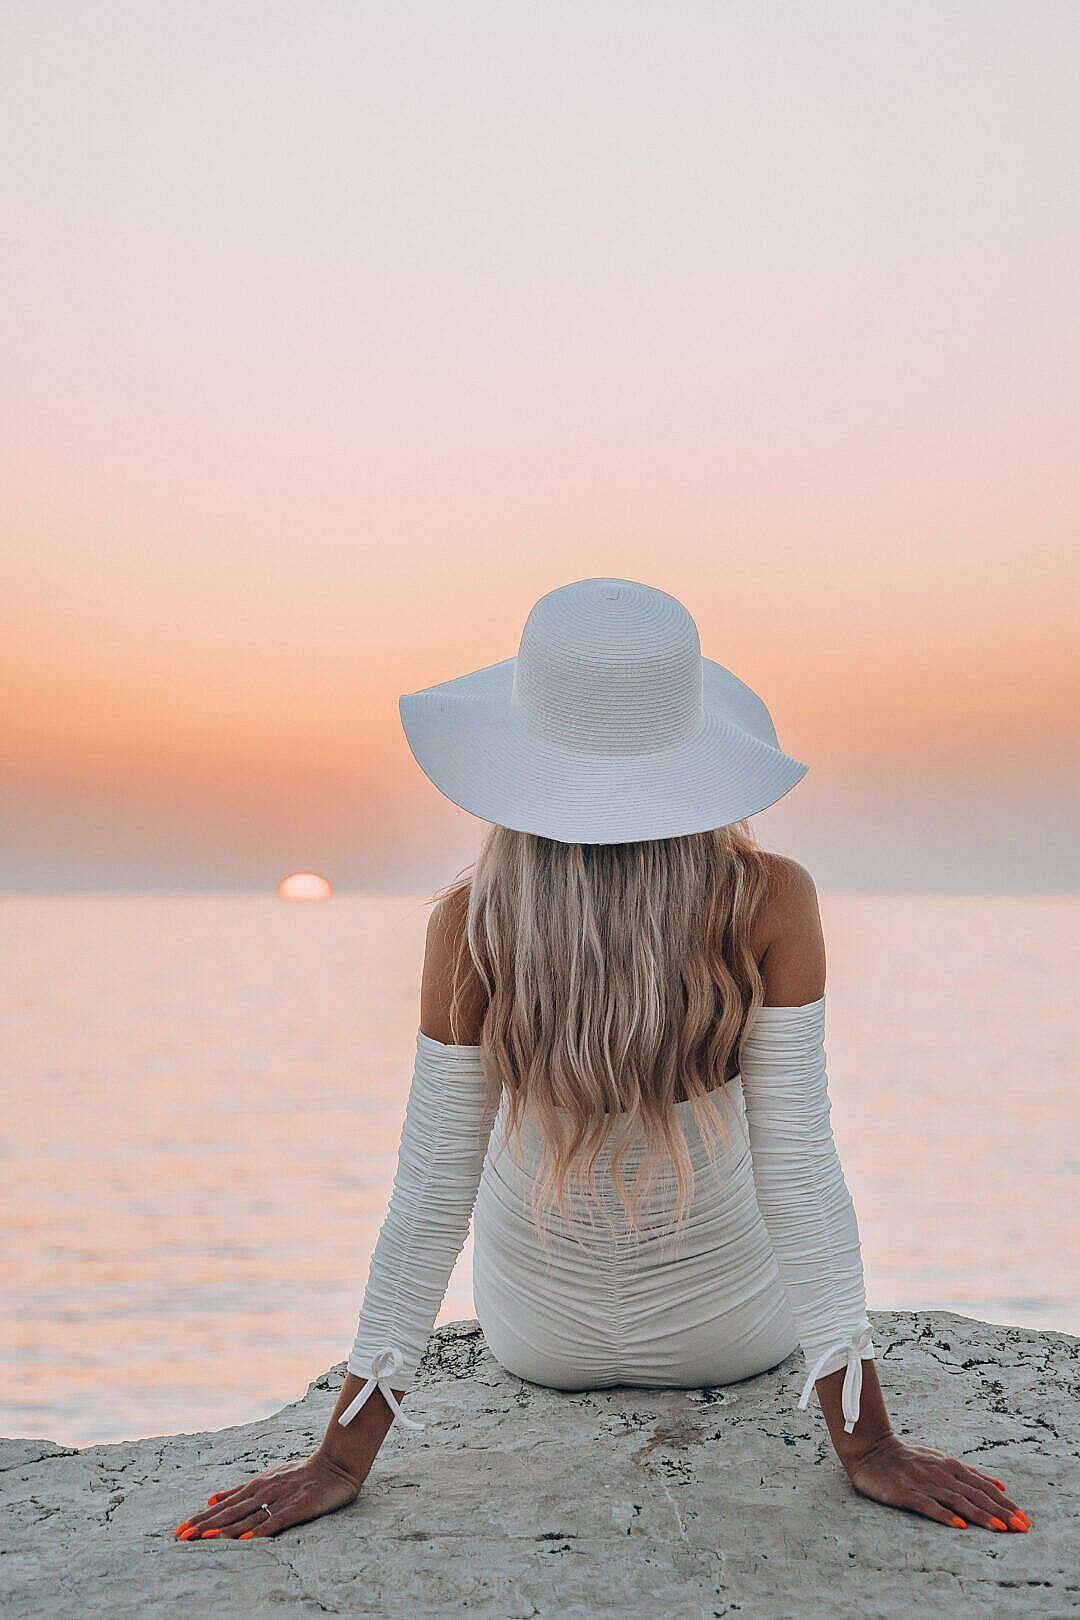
(335, 335)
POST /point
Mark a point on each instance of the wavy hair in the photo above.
(619, 979)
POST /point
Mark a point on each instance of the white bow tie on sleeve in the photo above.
(383, 1366)
(851, 1395)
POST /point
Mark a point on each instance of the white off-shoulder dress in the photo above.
(768, 1257)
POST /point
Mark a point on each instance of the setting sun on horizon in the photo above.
(304, 886)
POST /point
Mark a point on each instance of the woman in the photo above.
(619, 1068)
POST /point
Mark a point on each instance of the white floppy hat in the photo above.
(607, 728)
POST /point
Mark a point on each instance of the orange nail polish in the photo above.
(247, 1535)
(959, 1523)
(189, 1535)
(208, 1535)
(1020, 1522)
(210, 1500)
(182, 1527)
(996, 1524)
(999, 1484)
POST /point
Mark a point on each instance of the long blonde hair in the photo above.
(617, 976)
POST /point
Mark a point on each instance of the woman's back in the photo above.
(589, 1296)
(590, 1302)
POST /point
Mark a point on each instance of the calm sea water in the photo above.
(203, 1095)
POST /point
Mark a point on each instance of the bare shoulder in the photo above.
(792, 893)
(444, 948)
(789, 941)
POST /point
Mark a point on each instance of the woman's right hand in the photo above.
(928, 1481)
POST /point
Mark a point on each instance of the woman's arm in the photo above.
(439, 1163)
(808, 1212)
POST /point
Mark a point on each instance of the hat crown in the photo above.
(609, 666)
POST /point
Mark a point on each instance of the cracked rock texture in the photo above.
(517, 1500)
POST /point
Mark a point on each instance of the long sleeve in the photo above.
(444, 1140)
(802, 1194)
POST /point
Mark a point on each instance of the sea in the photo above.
(202, 1098)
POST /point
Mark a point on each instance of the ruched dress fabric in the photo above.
(768, 1256)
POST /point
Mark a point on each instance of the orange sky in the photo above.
(335, 345)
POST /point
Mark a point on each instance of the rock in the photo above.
(518, 1501)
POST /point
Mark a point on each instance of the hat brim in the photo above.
(467, 738)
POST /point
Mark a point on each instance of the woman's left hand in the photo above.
(294, 1493)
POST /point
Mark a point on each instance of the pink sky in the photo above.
(334, 342)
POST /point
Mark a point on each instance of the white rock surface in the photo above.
(521, 1501)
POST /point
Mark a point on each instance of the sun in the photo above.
(304, 886)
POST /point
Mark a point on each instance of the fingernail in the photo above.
(1020, 1522)
(247, 1535)
(189, 1535)
(959, 1523)
(182, 1527)
(999, 1484)
(996, 1524)
(210, 1500)
(207, 1535)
